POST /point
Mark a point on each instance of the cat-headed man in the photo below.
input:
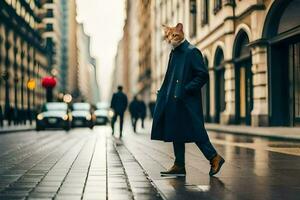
(178, 115)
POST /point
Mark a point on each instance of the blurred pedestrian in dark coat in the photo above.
(178, 115)
(118, 104)
(9, 114)
(134, 112)
(142, 111)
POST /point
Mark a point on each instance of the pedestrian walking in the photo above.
(178, 115)
(9, 115)
(142, 111)
(118, 104)
(134, 112)
(16, 116)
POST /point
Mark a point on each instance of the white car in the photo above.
(82, 116)
(54, 115)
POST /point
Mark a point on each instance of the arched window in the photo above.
(219, 83)
(206, 96)
(282, 30)
(243, 79)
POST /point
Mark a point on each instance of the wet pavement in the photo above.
(90, 164)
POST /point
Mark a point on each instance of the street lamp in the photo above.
(49, 83)
(54, 72)
(31, 84)
(67, 98)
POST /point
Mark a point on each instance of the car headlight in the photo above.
(40, 117)
(88, 117)
(111, 113)
(65, 117)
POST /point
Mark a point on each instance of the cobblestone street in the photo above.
(91, 164)
(81, 164)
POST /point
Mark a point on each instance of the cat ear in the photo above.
(165, 27)
(179, 27)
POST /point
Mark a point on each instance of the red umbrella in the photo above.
(48, 82)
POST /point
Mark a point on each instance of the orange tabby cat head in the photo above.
(174, 35)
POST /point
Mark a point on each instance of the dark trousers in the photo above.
(133, 122)
(143, 119)
(179, 150)
(113, 121)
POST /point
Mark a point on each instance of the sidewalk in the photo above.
(16, 128)
(283, 133)
(255, 167)
(286, 133)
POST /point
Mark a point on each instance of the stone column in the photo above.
(1, 67)
(228, 115)
(34, 77)
(6, 72)
(29, 56)
(22, 79)
(212, 104)
(15, 78)
(260, 112)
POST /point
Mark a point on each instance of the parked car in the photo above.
(54, 115)
(102, 113)
(82, 115)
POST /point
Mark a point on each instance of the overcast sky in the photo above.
(103, 20)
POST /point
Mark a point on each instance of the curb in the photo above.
(255, 134)
(16, 130)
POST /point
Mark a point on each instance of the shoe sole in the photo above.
(220, 166)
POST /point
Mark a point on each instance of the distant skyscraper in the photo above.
(69, 66)
(86, 76)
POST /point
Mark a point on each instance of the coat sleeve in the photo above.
(199, 72)
(112, 103)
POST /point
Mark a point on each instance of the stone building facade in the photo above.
(52, 35)
(69, 63)
(133, 57)
(252, 51)
(86, 76)
(23, 58)
(144, 49)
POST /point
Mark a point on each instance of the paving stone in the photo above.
(86, 166)
(68, 197)
(42, 194)
(46, 189)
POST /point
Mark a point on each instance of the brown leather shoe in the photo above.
(174, 171)
(216, 164)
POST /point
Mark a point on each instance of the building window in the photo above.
(49, 27)
(204, 12)
(193, 18)
(49, 13)
(217, 5)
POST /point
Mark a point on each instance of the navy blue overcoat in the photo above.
(178, 114)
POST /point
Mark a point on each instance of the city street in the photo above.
(91, 164)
